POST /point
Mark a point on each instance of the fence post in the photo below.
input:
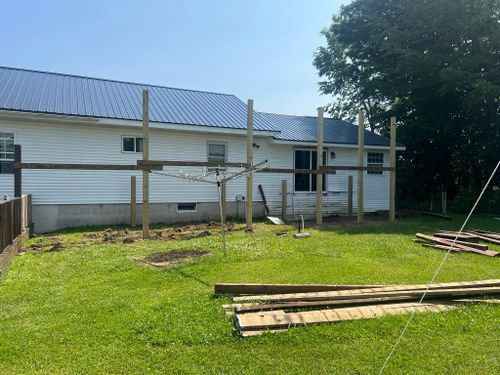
(17, 172)
(349, 196)
(133, 201)
(283, 200)
(361, 163)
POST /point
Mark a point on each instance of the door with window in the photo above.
(307, 159)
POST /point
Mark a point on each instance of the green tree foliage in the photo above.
(435, 64)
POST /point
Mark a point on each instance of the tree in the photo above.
(435, 64)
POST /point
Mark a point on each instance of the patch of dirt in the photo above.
(174, 256)
(46, 244)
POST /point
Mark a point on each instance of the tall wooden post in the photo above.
(223, 196)
(18, 174)
(361, 163)
(392, 192)
(349, 196)
(283, 199)
(133, 201)
(249, 197)
(319, 163)
(145, 157)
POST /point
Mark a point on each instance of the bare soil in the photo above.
(173, 256)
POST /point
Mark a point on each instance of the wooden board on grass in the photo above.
(246, 288)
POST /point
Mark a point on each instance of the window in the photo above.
(6, 153)
(375, 159)
(131, 144)
(217, 152)
(307, 159)
(186, 207)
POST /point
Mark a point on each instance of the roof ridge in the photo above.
(309, 116)
(114, 80)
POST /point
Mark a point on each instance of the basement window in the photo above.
(186, 207)
(6, 153)
(307, 159)
(131, 144)
(375, 159)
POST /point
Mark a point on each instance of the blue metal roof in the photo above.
(304, 129)
(63, 94)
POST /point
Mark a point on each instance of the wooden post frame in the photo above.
(18, 174)
(361, 162)
(145, 156)
(249, 197)
(349, 196)
(319, 163)
(392, 191)
(283, 199)
(133, 201)
(223, 196)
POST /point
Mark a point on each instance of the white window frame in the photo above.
(14, 134)
(218, 143)
(325, 163)
(375, 173)
(186, 211)
(135, 144)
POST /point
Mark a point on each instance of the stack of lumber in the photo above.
(259, 308)
(468, 241)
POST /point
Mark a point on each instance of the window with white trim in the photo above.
(307, 159)
(217, 152)
(375, 159)
(6, 152)
(131, 144)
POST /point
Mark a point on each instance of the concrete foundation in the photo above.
(49, 218)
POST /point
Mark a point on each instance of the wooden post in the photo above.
(223, 196)
(133, 201)
(361, 163)
(283, 200)
(18, 183)
(145, 156)
(249, 197)
(319, 163)
(349, 196)
(392, 192)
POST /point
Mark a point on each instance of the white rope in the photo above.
(436, 273)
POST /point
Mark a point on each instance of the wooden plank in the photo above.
(80, 166)
(249, 197)
(474, 286)
(324, 170)
(145, 172)
(425, 213)
(256, 321)
(264, 200)
(361, 163)
(319, 164)
(466, 243)
(392, 182)
(461, 236)
(488, 233)
(484, 238)
(442, 241)
(245, 308)
(257, 288)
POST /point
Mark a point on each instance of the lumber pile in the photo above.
(468, 241)
(291, 305)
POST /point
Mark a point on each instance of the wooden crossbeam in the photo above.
(249, 288)
(84, 166)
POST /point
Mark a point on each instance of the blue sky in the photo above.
(254, 49)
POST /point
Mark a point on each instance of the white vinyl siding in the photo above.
(65, 143)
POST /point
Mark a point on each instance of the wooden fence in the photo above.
(15, 219)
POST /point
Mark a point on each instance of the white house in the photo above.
(59, 118)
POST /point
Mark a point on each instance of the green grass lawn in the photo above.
(92, 309)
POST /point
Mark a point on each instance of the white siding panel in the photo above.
(100, 144)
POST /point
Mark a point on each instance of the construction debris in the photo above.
(467, 241)
(255, 314)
